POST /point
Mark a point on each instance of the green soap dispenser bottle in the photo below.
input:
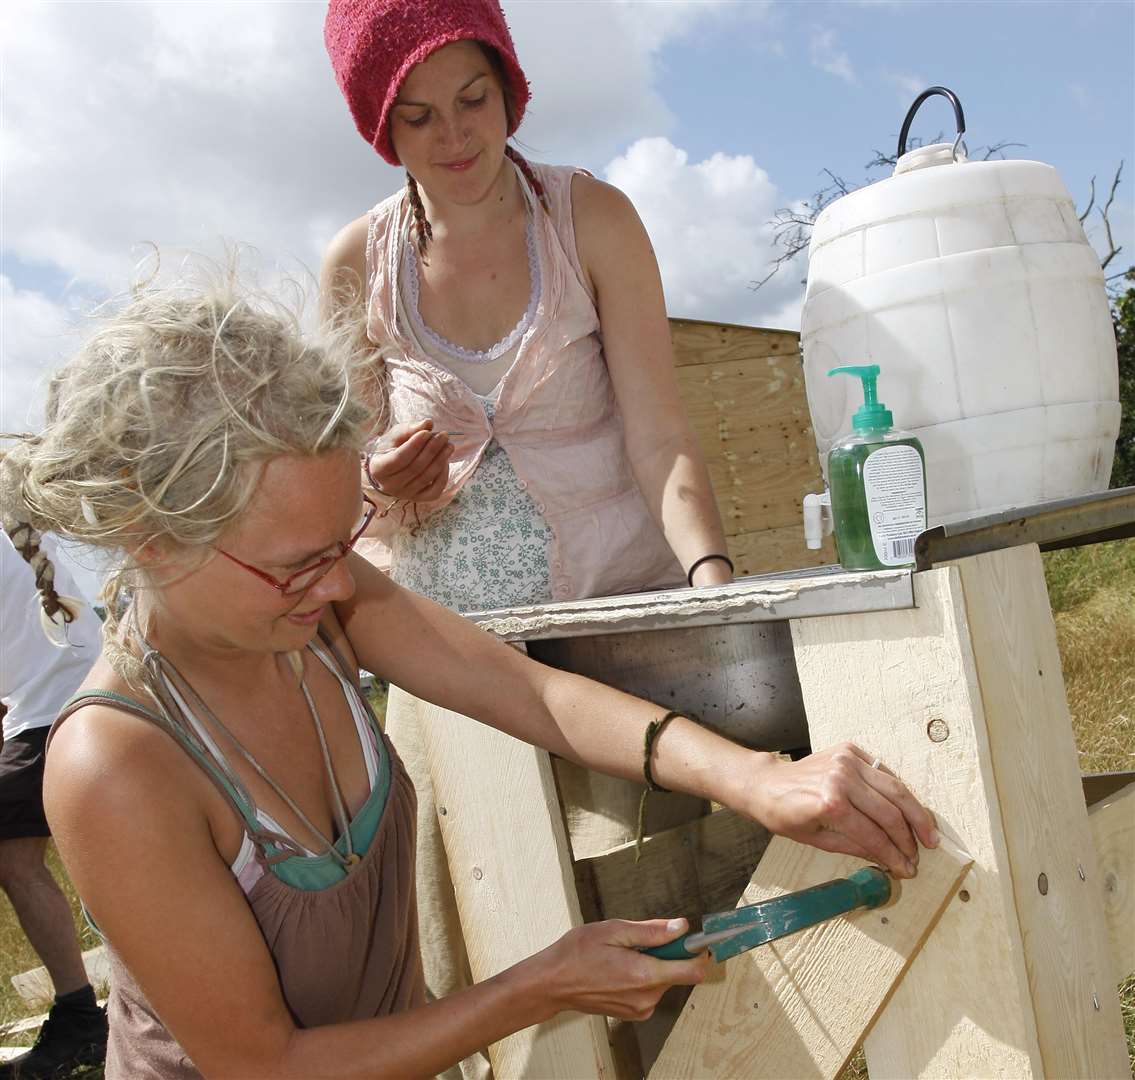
(877, 478)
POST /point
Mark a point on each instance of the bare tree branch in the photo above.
(1112, 250)
(996, 148)
(1091, 201)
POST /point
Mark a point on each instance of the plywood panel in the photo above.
(799, 1007)
(696, 341)
(771, 550)
(744, 391)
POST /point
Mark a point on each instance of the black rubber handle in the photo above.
(934, 91)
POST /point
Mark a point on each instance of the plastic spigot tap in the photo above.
(872, 415)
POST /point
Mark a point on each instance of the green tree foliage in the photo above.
(1123, 314)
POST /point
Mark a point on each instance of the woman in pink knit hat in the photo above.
(533, 446)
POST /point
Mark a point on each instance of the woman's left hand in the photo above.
(836, 800)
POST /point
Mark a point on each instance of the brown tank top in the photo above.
(345, 952)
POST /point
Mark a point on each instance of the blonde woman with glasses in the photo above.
(240, 829)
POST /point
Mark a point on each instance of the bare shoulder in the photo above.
(607, 226)
(597, 206)
(108, 770)
(343, 271)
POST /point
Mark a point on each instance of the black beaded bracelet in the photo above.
(707, 558)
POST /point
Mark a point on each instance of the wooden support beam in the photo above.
(511, 867)
(691, 870)
(1052, 863)
(1112, 821)
(963, 698)
(799, 1007)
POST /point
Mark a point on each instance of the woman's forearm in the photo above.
(605, 730)
(673, 477)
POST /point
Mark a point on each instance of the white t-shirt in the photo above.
(36, 677)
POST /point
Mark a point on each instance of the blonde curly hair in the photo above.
(160, 426)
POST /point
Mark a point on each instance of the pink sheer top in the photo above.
(555, 415)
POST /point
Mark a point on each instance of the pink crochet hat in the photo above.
(373, 44)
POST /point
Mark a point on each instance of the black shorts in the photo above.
(21, 785)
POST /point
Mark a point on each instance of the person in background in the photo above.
(37, 675)
(533, 443)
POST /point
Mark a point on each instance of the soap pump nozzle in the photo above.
(872, 415)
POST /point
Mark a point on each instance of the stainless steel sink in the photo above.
(738, 678)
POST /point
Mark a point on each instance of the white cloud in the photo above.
(909, 86)
(35, 336)
(826, 56)
(708, 222)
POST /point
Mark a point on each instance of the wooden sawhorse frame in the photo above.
(1007, 967)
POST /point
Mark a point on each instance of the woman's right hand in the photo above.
(410, 462)
(597, 968)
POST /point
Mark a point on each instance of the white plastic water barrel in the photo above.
(973, 287)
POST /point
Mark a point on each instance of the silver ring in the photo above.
(876, 763)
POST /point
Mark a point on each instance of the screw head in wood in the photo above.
(1080, 871)
(937, 730)
(1042, 884)
(478, 873)
(1095, 1001)
(963, 896)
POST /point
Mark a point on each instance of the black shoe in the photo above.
(69, 1038)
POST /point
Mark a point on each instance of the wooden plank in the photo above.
(36, 988)
(1112, 822)
(1052, 861)
(771, 550)
(696, 341)
(601, 812)
(892, 684)
(743, 389)
(696, 868)
(510, 862)
(752, 420)
(799, 1007)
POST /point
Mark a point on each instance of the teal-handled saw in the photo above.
(727, 933)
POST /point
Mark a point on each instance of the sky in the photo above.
(194, 126)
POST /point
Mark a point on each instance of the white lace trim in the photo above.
(459, 352)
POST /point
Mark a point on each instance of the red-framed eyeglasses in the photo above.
(307, 576)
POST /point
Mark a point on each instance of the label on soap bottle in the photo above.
(895, 488)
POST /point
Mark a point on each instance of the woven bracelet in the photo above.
(707, 558)
(653, 730)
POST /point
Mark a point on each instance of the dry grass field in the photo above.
(1092, 591)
